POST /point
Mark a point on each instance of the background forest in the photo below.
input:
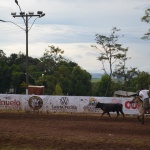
(62, 77)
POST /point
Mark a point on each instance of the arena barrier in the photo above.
(48, 103)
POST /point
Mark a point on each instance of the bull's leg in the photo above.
(117, 114)
(102, 115)
(122, 113)
(108, 114)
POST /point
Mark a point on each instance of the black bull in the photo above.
(110, 107)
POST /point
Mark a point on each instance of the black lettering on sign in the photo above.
(64, 101)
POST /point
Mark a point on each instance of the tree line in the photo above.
(61, 76)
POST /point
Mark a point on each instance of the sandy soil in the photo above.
(55, 131)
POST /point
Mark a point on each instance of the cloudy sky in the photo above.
(71, 25)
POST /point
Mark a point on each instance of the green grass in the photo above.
(95, 79)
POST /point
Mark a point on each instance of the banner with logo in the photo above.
(127, 107)
(47, 103)
(10, 102)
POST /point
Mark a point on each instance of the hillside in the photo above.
(96, 77)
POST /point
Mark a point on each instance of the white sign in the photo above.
(47, 103)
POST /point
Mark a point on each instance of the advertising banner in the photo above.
(127, 107)
(48, 103)
(10, 102)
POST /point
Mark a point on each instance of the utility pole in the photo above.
(26, 17)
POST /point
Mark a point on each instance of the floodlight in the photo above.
(31, 13)
(25, 16)
(42, 15)
(22, 13)
(13, 13)
(40, 12)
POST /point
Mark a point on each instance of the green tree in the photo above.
(5, 78)
(49, 81)
(58, 90)
(81, 82)
(17, 82)
(5, 74)
(146, 19)
(142, 80)
(64, 77)
(129, 84)
(3, 57)
(12, 59)
(51, 59)
(110, 52)
(95, 88)
(121, 69)
(17, 62)
(105, 79)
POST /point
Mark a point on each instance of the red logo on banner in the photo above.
(130, 106)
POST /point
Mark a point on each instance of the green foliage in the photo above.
(103, 86)
(110, 54)
(5, 74)
(146, 19)
(136, 81)
(95, 80)
(59, 71)
(95, 88)
(63, 77)
(143, 80)
(81, 82)
(5, 78)
(50, 60)
(17, 78)
(58, 90)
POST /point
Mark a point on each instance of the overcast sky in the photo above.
(71, 25)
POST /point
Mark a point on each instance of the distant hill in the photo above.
(96, 75)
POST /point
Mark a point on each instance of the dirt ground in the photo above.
(55, 131)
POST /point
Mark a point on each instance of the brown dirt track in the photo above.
(55, 131)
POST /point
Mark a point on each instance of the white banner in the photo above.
(47, 103)
(127, 107)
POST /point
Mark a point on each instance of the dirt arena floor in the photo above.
(55, 131)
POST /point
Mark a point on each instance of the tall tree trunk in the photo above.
(108, 86)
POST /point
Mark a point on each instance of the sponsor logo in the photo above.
(64, 101)
(9, 103)
(130, 106)
(64, 107)
(92, 101)
(35, 102)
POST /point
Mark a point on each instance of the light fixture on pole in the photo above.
(26, 17)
